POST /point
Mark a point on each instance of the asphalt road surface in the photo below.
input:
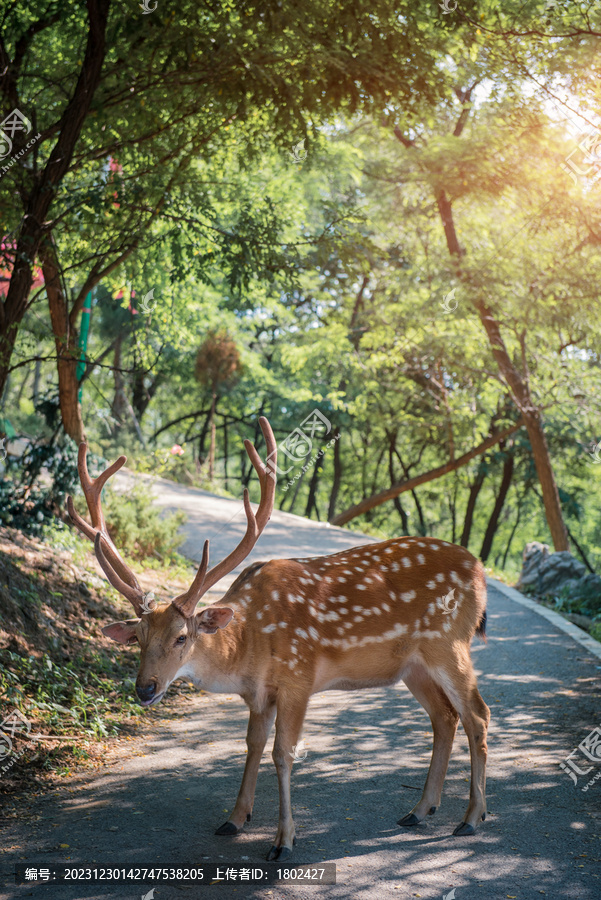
(367, 758)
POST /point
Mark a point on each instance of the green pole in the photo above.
(83, 340)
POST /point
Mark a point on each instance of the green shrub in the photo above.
(136, 527)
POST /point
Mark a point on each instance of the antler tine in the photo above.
(186, 603)
(182, 602)
(135, 595)
(92, 488)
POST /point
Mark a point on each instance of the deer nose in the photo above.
(146, 692)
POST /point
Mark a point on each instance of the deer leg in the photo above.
(259, 726)
(288, 727)
(444, 720)
(459, 684)
(475, 719)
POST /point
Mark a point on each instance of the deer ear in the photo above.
(122, 632)
(213, 617)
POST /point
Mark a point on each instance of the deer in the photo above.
(289, 628)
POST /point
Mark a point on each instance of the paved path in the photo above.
(368, 754)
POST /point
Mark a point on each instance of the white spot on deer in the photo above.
(394, 567)
(431, 608)
(340, 630)
(301, 633)
(421, 558)
(386, 607)
(361, 587)
(407, 596)
(421, 544)
(431, 585)
(377, 611)
(357, 609)
(434, 546)
(358, 619)
(454, 577)
(283, 625)
(467, 564)
(398, 629)
(341, 579)
(439, 577)
(259, 615)
(388, 550)
(347, 571)
(368, 580)
(447, 625)
(269, 628)
(275, 595)
(406, 561)
(313, 632)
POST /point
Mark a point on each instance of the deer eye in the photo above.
(181, 639)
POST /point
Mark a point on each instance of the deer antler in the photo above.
(186, 603)
(117, 571)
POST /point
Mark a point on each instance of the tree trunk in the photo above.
(142, 394)
(225, 452)
(37, 204)
(337, 481)
(493, 522)
(118, 406)
(400, 487)
(516, 382)
(213, 439)
(397, 503)
(471, 505)
(534, 426)
(65, 339)
(311, 499)
(36, 381)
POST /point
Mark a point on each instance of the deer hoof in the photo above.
(228, 828)
(409, 819)
(280, 853)
(463, 829)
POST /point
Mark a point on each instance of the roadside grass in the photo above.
(69, 682)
